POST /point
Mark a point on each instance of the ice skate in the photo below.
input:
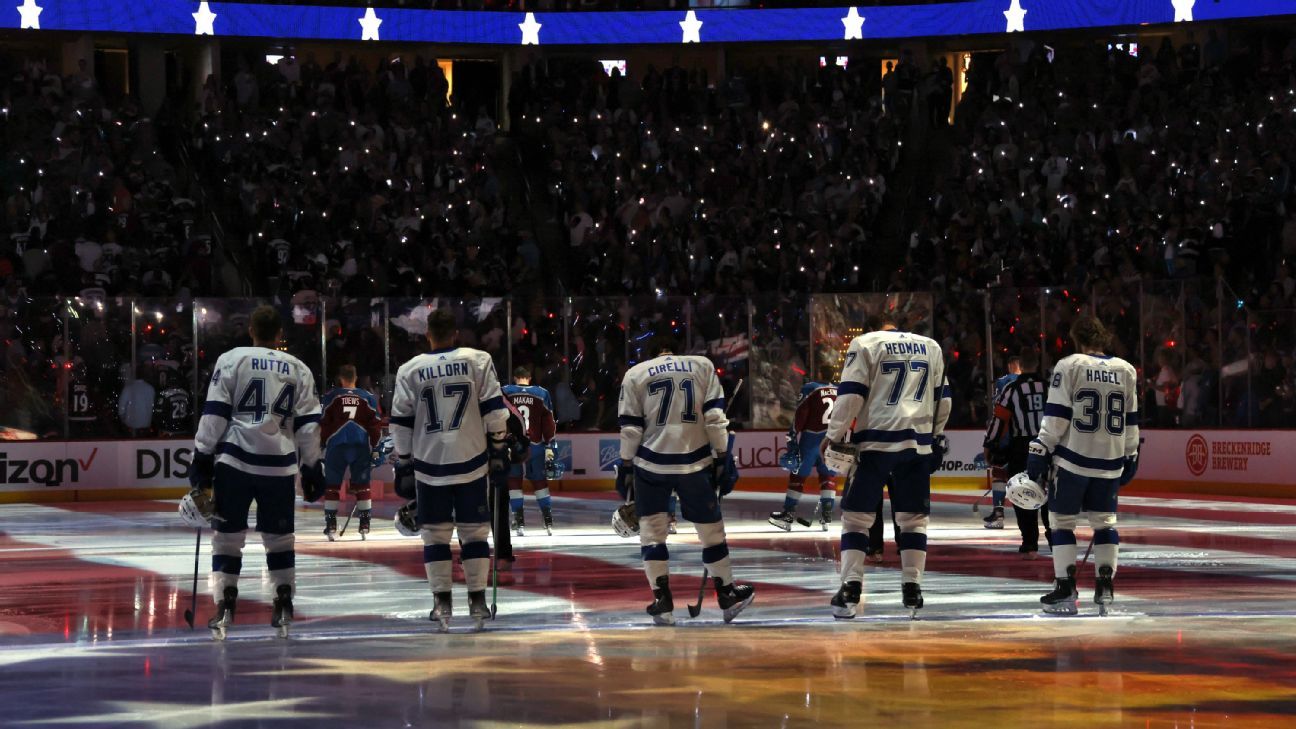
(873, 556)
(672, 528)
(365, 516)
(733, 598)
(478, 610)
(662, 609)
(912, 598)
(442, 607)
(282, 615)
(224, 616)
(782, 519)
(547, 515)
(330, 525)
(995, 519)
(519, 524)
(846, 601)
(825, 514)
(1104, 590)
(1063, 599)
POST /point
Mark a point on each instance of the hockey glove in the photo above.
(405, 481)
(724, 473)
(1130, 468)
(940, 446)
(312, 481)
(625, 480)
(497, 450)
(1037, 461)
(201, 470)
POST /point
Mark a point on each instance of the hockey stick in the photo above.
(695, 610)
(189, 613)
(347, 523)
(976, 505)
(1085, 560)
(495, 496)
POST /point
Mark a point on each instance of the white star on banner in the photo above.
(30, 13)
(1183, 10)
(204, 20)
(369, 25)
(691, 27)
(854, 23)
(530, 30)
(1016, 16)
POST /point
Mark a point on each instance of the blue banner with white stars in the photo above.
(186, 17)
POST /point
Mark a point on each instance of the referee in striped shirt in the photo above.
(1018, 410)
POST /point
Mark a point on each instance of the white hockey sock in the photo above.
(912, 564)
(1105, 556)
(852, 568)
(542, 493)
(438, 574)
(364, 505)
(720, 568)
(476, 573)
(515, 494)
(655, 568)
(827, 494)
(1064, 555)
(330, 505)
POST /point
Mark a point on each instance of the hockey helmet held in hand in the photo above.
(790, 461)
(840, 458)
(384, 450)
(625, 522)
(407, 520)
(554, 468)
(190, 512)
(1024, 492)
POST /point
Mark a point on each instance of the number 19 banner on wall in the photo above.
(222, 19)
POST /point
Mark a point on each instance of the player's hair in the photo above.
(521, 371)
(1089, 334)
(1029, 359)
(347, 373)
(876, 321)
(441, 326)
(664, 342)
(265, 324)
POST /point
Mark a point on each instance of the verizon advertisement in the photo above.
(82, 465)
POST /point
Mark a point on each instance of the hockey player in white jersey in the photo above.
(894, 392)
(674, 438)
(1090, 436)
(448, 421)
(259, 428)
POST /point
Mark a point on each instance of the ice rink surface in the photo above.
(1203, 633)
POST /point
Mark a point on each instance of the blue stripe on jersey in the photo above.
(673, 459)
(440, 470)
(1083, 461)
(944, 392)
(716, 403)
(1057, 410)
(1132, 418)
(632, 421)
(491, 405)
(405, 421)
(853, 388)
(219, 409)
(891, 436)
(257, 459)
(301, 421)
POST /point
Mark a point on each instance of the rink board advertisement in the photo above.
(1239, 462)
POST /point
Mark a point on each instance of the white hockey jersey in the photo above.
(1091, 417)
(894, 391)
(446, 401)
(672, 414)
(261, 413)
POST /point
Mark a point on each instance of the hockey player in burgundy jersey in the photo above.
(803, 439)
(349, 431)
(535, 406)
